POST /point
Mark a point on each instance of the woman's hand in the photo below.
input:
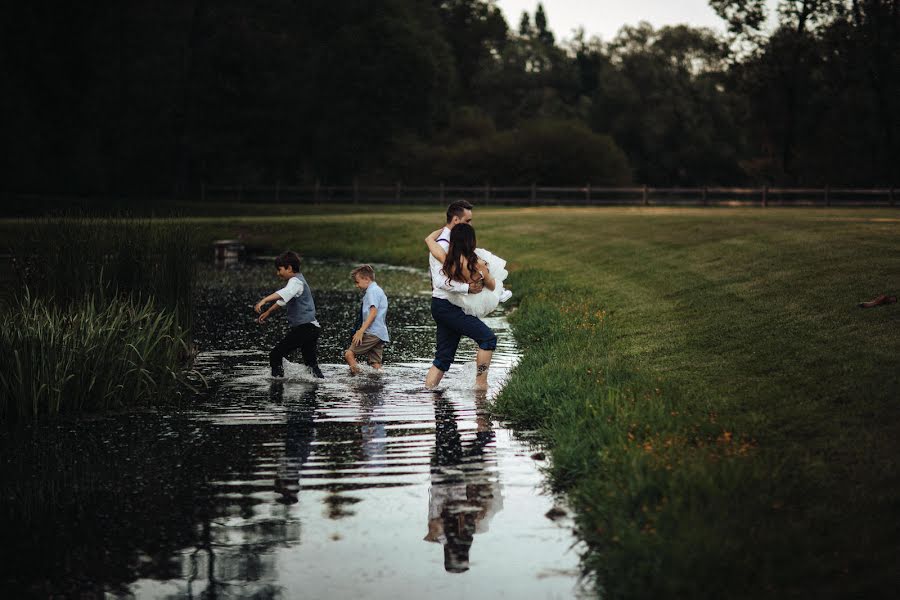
(434, 247)
(485, 272)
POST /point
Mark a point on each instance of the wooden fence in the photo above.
(535, 195)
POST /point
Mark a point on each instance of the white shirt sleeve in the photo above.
(294, 287)
(439, 280)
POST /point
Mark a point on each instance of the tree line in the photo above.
(130, 97)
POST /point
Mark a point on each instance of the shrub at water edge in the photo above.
(87, 357)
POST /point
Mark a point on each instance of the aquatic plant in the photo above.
(88, 356)
(68, 258)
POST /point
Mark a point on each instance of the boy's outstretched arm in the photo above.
(358, 336)
(270, 298)
(268, 312)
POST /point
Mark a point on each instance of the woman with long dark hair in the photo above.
(457, 314)
(489, 268)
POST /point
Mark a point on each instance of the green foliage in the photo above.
(108, 98)
(543, 151)
(88, 357)
(662, 99)
(65, 259)
(99, 316)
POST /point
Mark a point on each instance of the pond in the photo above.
(367, 486)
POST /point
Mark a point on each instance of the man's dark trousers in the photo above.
(452, 324)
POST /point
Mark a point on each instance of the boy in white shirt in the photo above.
(296, 298)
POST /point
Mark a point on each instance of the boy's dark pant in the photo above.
(452, 324)
(305, 337)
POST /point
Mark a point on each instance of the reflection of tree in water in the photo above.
(465, 490)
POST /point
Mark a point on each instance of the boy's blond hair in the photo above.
(363, 271)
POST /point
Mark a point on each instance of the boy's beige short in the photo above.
(371, 347)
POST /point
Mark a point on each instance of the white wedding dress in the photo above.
(482, 304)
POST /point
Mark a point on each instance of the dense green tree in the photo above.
(822, 89)
(661, 96)
(476, 31)
(153, 98)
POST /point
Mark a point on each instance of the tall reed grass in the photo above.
(69, 258)
(97, 314)
(87, 357)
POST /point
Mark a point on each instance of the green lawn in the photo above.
(724, 418)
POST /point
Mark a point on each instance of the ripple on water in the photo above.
(367, 486)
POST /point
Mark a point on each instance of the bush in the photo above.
(544, 151)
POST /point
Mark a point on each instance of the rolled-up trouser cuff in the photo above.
(488, 344)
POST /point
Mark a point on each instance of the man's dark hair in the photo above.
(288, 259)
(457, 209)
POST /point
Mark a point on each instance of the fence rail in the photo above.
(535, 195)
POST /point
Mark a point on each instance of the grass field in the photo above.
(722, 415)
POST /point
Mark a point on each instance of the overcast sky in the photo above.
(603, 18)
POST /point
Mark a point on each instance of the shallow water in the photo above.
(365, 486)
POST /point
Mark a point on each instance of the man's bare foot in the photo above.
(433, 378)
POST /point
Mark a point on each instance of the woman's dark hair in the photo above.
(462, 245)
(288, 259)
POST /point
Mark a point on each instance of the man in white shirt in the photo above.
(452, 322)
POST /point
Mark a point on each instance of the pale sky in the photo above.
(603, 18)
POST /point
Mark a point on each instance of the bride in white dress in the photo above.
(488, 266)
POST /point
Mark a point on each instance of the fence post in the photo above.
(487, 192)
(587, 192)
(398, 191)
(441, 192)
(355, 190)
(645, 196)
(533, 193)
(316, 192)
(705, 197)
(827, 195)
(765, 196)
(891, 195)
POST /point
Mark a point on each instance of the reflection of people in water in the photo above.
(373, 431)
(465, 491)
(299, 434)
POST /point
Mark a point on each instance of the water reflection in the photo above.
(298, 438)
(294, 488)
(465, 487)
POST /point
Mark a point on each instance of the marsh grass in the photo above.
(70, 258)
(87, 357)
(97, 314)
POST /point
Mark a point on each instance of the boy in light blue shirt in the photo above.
(372, 334)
